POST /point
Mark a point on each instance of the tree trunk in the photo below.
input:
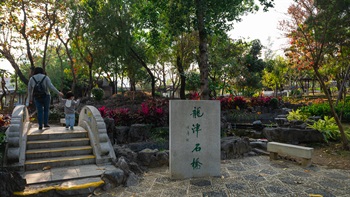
(14, 65)
(180, 69)
(335, 115)
(203, 49)
(153, 80)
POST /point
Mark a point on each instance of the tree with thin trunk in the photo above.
(313, 35)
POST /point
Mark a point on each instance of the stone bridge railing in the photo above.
(16, 137)
(91, 120)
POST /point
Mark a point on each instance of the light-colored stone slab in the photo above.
(64, 173)
(38, 176)
(194, 138)
(305, 153)
(290, 149)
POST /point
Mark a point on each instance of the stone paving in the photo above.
(249, 176)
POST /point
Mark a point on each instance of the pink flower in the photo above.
(144, 109)
(159, 111)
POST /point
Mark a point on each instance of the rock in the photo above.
(258, 144)
(121, 134)
(138, 146)
(132, 180)
(113, 178)
(234, 147)
(134, 167)
(110, 126)
(11, 182)
(122, 164)
(281, 122)
(257, 125)
(125, 152)
(153, 158)
(293, 135)
(139, 132)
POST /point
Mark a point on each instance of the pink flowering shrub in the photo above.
(153, 112)
(121, 116)
(260, 101)
(226, 102)
(194, 96)
(240, 102)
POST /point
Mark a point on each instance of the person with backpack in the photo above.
(39, 87)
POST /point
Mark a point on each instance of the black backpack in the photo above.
(39, 89)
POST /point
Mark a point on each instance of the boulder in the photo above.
(292, 135)
(113, 178)
(153, 158)
(234, 147)
(121, 134)
(139, 132)
(11, 182)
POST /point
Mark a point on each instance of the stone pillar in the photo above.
(194, 138)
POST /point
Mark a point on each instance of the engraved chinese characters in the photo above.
(194, 139)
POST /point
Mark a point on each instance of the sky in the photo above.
(263, 25)
(260, 25)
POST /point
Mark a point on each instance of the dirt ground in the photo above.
(332, 156)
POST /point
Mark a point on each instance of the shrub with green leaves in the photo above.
(323, 109)
(328, 127)
(97, 93)
(297, 115)
(274, 103)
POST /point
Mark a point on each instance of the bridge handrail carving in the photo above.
(91, 120)
(16, 137)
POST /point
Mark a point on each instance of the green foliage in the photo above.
(297, 115)
(327, 127)
(2, 138)
(97, 93)
(274, 103)
(320, 109)
(160, 134)
(193, 82)
(323, 109)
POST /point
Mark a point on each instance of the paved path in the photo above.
(249, 176)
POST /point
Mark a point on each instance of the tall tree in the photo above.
(27, 26)
(204, 17)
(313, 38)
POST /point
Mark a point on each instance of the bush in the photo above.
(226, 102)
(97, 93)
(323, 109)
(260, 101)
(240, 102)
(154, 111)
(274, 103)
(4, 120)
(297, 115)
(328, 128)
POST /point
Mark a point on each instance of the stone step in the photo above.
(57, 135)
(58, 152)
(64, 181)
(76, 187)
(39, 144)
(52, 162)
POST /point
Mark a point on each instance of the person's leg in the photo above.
(67, 120)
(39, 110)
(47, 110)
(71, 121)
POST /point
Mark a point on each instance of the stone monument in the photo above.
(194, 142)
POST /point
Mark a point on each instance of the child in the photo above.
(69, 109)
